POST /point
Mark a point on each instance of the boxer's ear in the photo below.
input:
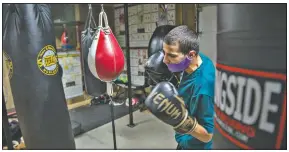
(192, 54)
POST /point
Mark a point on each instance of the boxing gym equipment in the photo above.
(105, 58)
(36, 84)
(131, 124)
(112, 119)
(164, 103)
(156, 41)
(91, 117)
(86, 115)
(244, 71)
(155, 70)
(158, 71)
(250, 94)
(93, 87)
(6, 134)
(102, 99)
(65, 40)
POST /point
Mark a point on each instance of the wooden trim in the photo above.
(78, 104)
(77, 12)
(179, 14)
(7, 87)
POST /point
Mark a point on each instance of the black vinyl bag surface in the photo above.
(29, 41)
(93, 86)
(156, 40)
(250, 94)
(155, 69)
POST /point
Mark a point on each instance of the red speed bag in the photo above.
(64, 36)
(105, 57)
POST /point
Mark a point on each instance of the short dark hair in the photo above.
(188, 39)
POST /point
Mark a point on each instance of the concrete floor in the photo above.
(149, 133)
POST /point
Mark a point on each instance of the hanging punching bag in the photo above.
(163, 28)
(64, 39)
(155, 66)
(93, 86)
(156, 41)
(105, 58)
(36, 84)
(250, 103)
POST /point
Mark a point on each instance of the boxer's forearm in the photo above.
(201, 133)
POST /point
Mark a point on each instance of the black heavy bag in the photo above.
(93, 86)
(156, 41)
(155, 52)
(36, 85)
(250, 103)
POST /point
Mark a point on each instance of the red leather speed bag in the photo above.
(105, 59)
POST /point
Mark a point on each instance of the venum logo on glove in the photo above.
(174, 108)
(165, 105)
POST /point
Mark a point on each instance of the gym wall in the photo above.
(186, 15)
(208, 29)
(142, 20)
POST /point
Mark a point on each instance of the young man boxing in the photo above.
(190, 108)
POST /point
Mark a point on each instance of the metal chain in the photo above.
(102, 10)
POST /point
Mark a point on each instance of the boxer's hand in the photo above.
(164, 103)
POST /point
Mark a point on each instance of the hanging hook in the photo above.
(164, 7)
(102, 10)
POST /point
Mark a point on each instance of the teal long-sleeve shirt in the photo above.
(197, 90)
